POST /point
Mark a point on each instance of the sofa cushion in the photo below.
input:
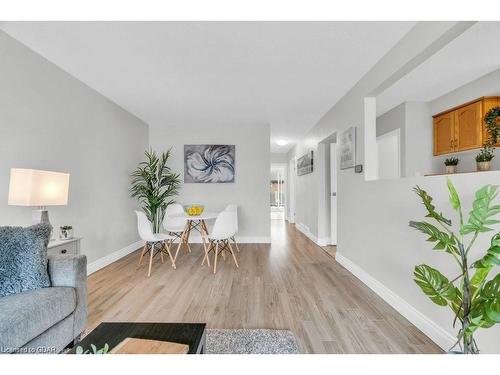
(26, 315)
(23, 258)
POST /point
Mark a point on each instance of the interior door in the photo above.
(333, 193)
(291, 191)
(389, 155)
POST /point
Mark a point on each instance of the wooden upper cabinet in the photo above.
(468, 129)
(462, 128)
(444, 133)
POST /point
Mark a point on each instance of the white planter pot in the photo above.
(451, 169)
(483, 165)
(65, 234)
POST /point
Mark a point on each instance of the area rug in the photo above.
(250, 341)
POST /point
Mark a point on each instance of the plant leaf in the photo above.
(431, 210)
(454, 199)
(477, 280)
(443, 240)
(490, 295)
(482, 213)
(436, 286)
(492, 257)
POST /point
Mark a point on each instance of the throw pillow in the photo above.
(23, 258)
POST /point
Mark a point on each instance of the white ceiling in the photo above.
(468, 57)
(287, 74)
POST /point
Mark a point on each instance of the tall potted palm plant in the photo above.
(154, 185)
(473, 295)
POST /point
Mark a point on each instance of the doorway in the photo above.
(389, 155)
(328, 171)
(277, 191)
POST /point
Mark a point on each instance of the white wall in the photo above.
(250, 191)
(488, 85)
(414, 121)
(373, 216)
(278, 158)
(376, 236)
(419, 142)
(50, 120)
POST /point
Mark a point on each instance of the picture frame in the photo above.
(305, 164)
(348, 148)
(209, 163)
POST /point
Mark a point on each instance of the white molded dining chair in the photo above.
(176, 225)
(234, 208)
(224, 228)
(158, 242)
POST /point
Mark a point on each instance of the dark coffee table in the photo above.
(191, 334)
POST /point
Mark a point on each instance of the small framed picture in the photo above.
(305, 164)
(348, 148)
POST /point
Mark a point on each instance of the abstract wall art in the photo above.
(209, 163)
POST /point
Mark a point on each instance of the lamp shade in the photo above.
(31, 187)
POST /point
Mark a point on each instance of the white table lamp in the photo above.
(35, 188)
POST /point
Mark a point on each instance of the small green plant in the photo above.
(103, 350)
(451, 161)
(486, 153)
(474, 299)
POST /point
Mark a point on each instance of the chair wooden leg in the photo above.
(224, 245)
(167, 247)
(207, 250)
(208, 259)
(215, 256)
(161, 252)
(236, 244)
(151, 259)
(187, 236)
(142, 254)
(232, 252)
(178, 248)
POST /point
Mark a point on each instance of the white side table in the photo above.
(71, 246)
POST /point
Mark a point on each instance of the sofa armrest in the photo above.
(71, 270)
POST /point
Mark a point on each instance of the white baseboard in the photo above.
(437, 334)
(113, 257)
(305, 230)
(323, 241)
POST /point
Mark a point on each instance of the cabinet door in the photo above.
(489, 103)
(443, 134)
(468, 127)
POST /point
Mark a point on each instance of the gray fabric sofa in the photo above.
(47, 320)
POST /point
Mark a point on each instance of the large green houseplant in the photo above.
(154, 185)
(472, 295)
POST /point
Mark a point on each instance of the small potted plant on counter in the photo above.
(451, 165)
(66, 232)
(483, 159)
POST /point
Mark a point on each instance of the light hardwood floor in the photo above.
(290, 284)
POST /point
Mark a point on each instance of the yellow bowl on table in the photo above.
(194, 209)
